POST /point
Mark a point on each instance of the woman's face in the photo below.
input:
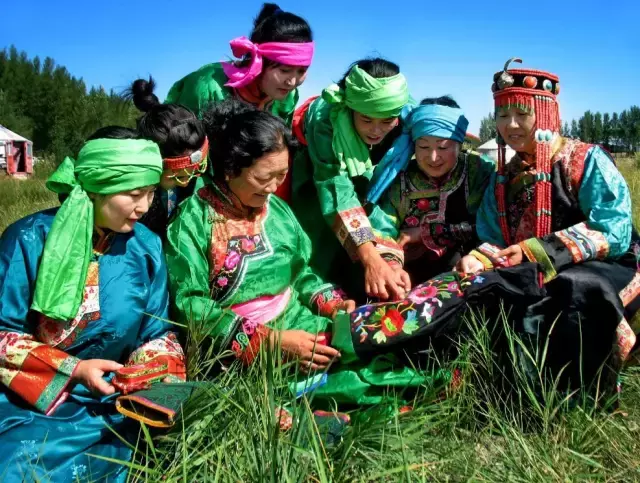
(120, 212)
(517, 128)
(373, 131)
(436, 156)
(276, 82)
(261, 179)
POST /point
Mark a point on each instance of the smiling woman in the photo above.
(83, 293)
(346, 132)
(273, 64)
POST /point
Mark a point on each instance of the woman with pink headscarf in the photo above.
(273, 64)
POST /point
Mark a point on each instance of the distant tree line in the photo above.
(43, 102)
(617, 132)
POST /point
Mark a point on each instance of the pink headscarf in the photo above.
(288, 53)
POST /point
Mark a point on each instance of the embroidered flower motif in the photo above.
(355, 224)
(453, 287)
(423, 205)
(423, 293)
(248, 245)
(223, 281)
(392, 322)
(236, 348)
(231, 260)
(412, 221)
(249, 327)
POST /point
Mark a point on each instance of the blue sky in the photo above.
(449, 48)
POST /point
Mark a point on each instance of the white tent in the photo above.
(490, 148)
(10, 141)
(7, 135)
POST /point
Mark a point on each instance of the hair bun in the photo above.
(141, 92)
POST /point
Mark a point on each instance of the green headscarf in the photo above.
(377, 98)
(104, 166)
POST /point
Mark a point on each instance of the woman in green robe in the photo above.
(274, 63)
(237, 256)
(347, 131)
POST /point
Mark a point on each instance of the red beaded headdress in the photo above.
(532, 91)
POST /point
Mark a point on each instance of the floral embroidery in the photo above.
(327, 298)
(381, 323)
(166, 345)
(412, 220)
(353, 229)
(236, 238)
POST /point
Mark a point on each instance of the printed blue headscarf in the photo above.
(424, 120)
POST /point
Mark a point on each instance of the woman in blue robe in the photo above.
(83, 293)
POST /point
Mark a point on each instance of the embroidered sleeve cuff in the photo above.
(582, 243)
(490, 252)
(326, 300)
(352, 227)
(389, 250)
(246, 347)
(535, 252)
(486, 262)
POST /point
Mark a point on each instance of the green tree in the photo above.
(488, 128)
(597, 128)
(606, 129)
(586, 127)
(575, 130)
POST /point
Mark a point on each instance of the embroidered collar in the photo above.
(102, 239)
(252, 95)
(222, 198)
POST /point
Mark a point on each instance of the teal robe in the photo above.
(44, 436)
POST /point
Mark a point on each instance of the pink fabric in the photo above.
(263, 309)
(288, 53)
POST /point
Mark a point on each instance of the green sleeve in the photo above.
(188, 241)
(200, 88)
(481, 167)
(337, 195)
(320, 297)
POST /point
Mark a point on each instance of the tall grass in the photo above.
(495, 427)
(21, 197)
(499, 426)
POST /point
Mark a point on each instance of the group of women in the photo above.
(271, 226)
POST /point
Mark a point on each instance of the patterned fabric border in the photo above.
(352, 227)
(583, 243)
(535, 252)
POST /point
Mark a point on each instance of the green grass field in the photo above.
(478, 433)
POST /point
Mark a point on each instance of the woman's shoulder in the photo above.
(32, 227)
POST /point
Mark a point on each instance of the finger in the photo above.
(367, 287)
(382, 291)
(326, 350)
(406, 280)
(402, 241)
(319, 359)
(349, 306)
(107, 366)
(102, 387)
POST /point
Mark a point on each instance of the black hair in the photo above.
(174, 128)
(114, 132)
(441, 101)
(376, 67)
(274, 25)
(239, 134)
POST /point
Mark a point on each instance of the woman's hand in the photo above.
(469, 264)
(512, 255)
(90, 374)
(347, 306)
(410, 236)
(307, 348)
(380, 279)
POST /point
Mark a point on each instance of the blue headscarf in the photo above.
(424, 120)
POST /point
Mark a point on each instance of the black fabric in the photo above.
(433, 311)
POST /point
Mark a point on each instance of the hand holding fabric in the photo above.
(90, 374)
(382, 280)
(303, 346)
(346, 306)
(512, 255)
